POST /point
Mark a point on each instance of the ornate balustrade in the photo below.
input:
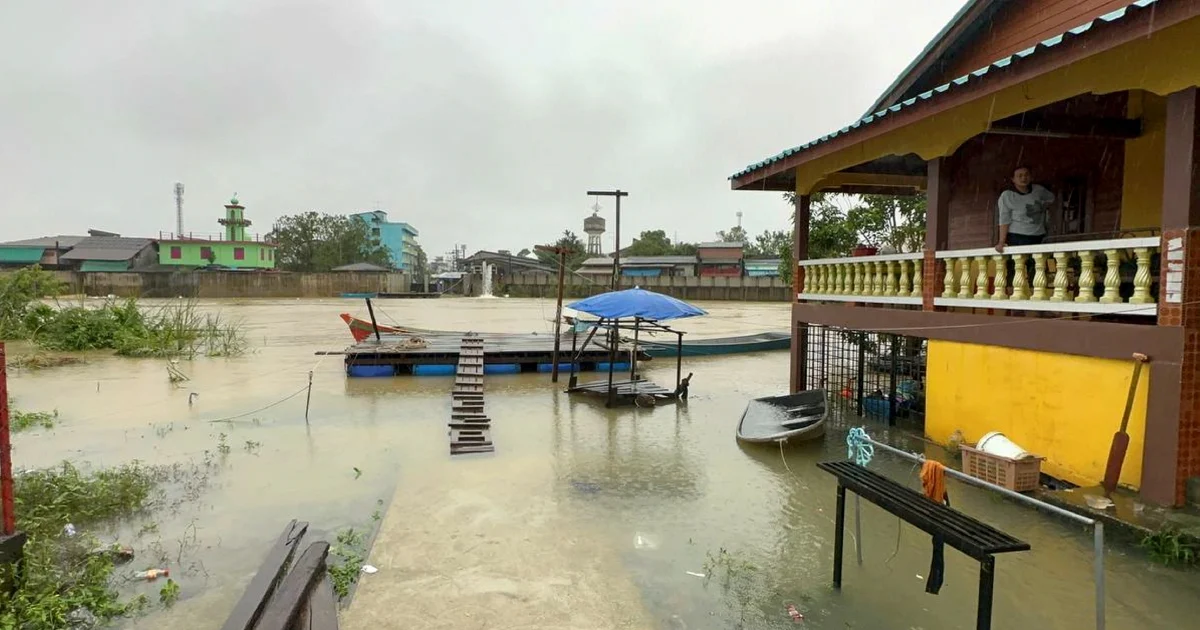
(885, 279)
(1078, 277)
(1105, 276)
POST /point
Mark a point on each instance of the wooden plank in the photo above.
(254, 600)
(321, 611)
(284, 608)
(463, 450)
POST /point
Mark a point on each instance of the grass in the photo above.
(68, 578)
(26, 420)
(347, 555)
(174, 330)
(1169, 546)
(40, 360)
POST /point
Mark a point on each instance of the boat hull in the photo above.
(713, 347)
(791, 418)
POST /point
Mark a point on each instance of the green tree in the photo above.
(769, 243)
(650, 243)
(422, 264)
(735, 234)
(312, 241)
(576, 252)
(684, 249)
(891, 221)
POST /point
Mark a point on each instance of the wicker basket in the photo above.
(1019, 475)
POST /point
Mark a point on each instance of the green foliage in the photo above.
(769, 244)
(348, 555)
(169, 593)
(312, 241)
(20, 292)
(656, 243)
(741, 583)
(177, 329)
(576, 251)
(837, 223)
(1169, 546)
(735, 234)
(63, 574)
(25, 420)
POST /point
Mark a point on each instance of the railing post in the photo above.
(839, 535)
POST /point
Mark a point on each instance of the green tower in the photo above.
(235, 220)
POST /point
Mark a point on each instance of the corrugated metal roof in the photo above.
(633, 261)
(64, 241)
(728, 244)
(977, 75)
(360, 266)
(107, 248)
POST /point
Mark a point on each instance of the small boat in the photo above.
(359, 296)
(722, 345)
(795, 417)
(362, 329)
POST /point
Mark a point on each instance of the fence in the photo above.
(699, 288)
(232, 284)
(878, 375)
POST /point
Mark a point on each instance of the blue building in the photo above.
(400, 238)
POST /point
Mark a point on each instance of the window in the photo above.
(262, 254)
(239, 253)
(374, 231)
(176, 252)
(206, 253)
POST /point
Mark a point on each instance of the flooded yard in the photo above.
(603, 518)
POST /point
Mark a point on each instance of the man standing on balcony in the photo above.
(1024, 211)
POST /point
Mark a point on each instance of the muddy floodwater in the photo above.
(606, 518)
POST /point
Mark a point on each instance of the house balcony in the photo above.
(1110, 277)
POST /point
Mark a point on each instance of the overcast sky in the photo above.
(479, 122)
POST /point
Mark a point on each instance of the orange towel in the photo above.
(933, 480)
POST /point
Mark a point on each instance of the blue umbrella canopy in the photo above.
(636, 302)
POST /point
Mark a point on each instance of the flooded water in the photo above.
(648, 497)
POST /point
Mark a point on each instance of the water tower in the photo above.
(593, 226)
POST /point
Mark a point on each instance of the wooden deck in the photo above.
(470, 427)
(627, 391)
(526, 350)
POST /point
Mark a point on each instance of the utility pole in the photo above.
(616, 281)
(562, 266)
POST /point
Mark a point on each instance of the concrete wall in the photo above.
(230, 284)
(685, 288)
(1065, 408)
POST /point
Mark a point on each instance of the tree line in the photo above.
(769, 244)
(317, 241)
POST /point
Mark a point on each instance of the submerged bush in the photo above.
(20, 308)
(66, 576)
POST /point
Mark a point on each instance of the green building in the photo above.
(236, 250)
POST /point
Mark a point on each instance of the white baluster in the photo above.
(1020, 278)
(964, 280)
(1141, 279)
(1000, 278)
(1062, 279)
(950, 284)
(1040, 291)
(1112, 277)
(1087, 277)
(981, 278)
(917, 280)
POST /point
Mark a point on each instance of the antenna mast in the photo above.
(178, 209)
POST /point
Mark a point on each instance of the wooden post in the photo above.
(613, 339)
(375, 326)
(6, 478)
(561, 252)
(678, 360)
(633, 356)
(798, 377)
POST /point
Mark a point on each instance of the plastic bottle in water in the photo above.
(152, 574)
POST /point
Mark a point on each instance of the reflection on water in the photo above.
(660, 490)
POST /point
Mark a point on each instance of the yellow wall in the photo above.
(1167, 62)
(1065, 408)
(1142, 191)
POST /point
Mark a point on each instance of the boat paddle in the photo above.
(1120, 443)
